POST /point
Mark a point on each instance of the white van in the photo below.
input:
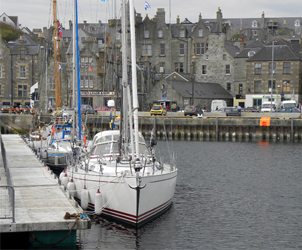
(288, 105)
(268, 107)
(218, 105)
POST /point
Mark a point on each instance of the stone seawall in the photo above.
(181, 128)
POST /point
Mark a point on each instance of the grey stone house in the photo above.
(275, 68)
(185, 91)
(19, 70)
(217, 64)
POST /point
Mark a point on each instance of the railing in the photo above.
(7, 201)
(7, 193)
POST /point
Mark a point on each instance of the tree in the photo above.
(9, 33)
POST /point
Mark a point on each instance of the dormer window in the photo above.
(254, 24)
(146, 33)
(182, 33)
(160, 34)
(297, 23)
(117, 35)
(22, 54)
(200, 32)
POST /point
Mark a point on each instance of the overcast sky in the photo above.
(38, 13)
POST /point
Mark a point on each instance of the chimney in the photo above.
(177, 20)
(199, 18)
(219, 20)
(85, 24)
(70, 24)
(263, 19)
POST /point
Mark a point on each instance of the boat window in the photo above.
(106, 148)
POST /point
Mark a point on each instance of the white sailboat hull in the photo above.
(122, 199)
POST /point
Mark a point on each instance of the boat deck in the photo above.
(40, 201)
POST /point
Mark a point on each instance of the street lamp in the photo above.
(272, 77)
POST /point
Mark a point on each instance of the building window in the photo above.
(0, 71)
(181, 48)
(198, 48)
(147, 50)
(224, 56)
(240, 88)
(162, 67)
(118, 35)
(257, 68)
(286, 68)
(146, 33)
(22, 71)
(91, 82)
(200, 32)
(86, 61)
(22, 54)
(82, 82)
(229, 86)
(4, 19)
(207, 57)
(182, 33)
(257, 86)
(162, 49)
(286, 86)
(270, 85)
(0, 53)
(254, 24)
(227, 69)
(52, 83)
(255, 32)
(86, 82)
(204, 69)
(297, 23)
(22, 91)
(179, 67)
(160, 34)
(270, 68)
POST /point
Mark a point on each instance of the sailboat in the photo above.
(120, 178)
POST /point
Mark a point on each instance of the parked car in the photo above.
(101, 108)
(231, 111)
(290, 110)
(158, 110)
(250, 109)
(87, 109)
(193, 110)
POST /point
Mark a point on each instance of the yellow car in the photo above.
(158, 110)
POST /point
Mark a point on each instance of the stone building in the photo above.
(217, 64)
(19, 70)
(182, 89)
(275, 68)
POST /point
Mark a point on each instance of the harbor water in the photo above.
(229, 195)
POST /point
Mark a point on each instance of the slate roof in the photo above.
(31, 46)
(233, 50)
(282, 52)
(201, 90)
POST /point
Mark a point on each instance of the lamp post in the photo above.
(272, 76)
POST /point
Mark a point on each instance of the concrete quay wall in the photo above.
(283, 128)
(214, 128)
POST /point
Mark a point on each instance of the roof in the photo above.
(201, 90)
(31, 46)
(233, 50)
(282, 52)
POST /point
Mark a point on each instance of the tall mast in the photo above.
(56, 56)
(134, 77)
(124, 118)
